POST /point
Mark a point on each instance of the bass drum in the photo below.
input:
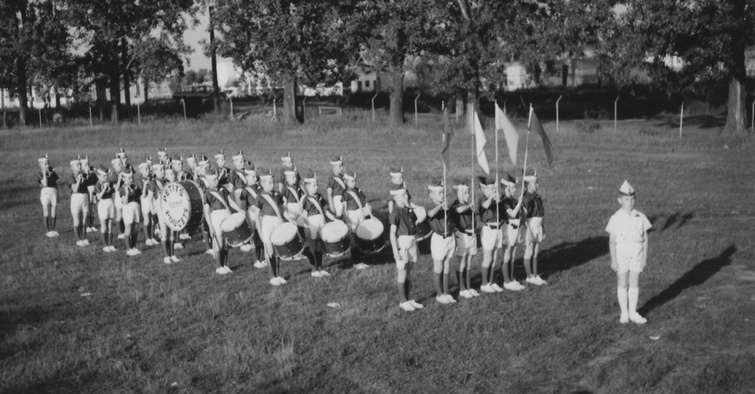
(335, 238)
(370, 236)
(287, 242)
(181, 205)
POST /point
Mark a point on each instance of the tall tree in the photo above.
(709, 37)
(291, 41)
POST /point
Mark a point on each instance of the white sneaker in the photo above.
(637, 319)
(532, 280)
(85, 242)
(361, 266)
(540, 280)
(167, 260)
(487, 289)
(50, 234)
(106, 249)
(211, 252)
(407, 306)
(324, 273)
(450, 298)
(80, 243)
(137, 251)
(442, 299)
(275, 282)
(465, 294)
(416, 304)
(88, 230)
(112, 248)
(184, 236)
(513, 286)
(260, 264)
(55, 234)
(316, 274)
(624, 318)
(474, 293)
(148, 242)
(221, 271)
(281, 280)
(178, 245)
(132, 252)
(246, 248)
(121, 236)
(154, 241)
(228, 269)
(175, 259)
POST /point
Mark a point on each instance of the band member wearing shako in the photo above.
(628, 243)
(181, 175)
(217, 207)
(119, 165)
(167, 236)
(492, 213)
(287, 163)
(48, 179)
(466, 240)
(224, 173)
(397, 178)
(103, 193)
(356, 210)
(191, 162)
(336, 186)
(511, 233)
(79, 202)
(247, 200)
(238, 176)
(403, 237)
(146, 202)
(534, 233)
(315, 212)
(442, 242)
(90, 179)
(162, 155)
(203, 164)
(270, 214)
(130, 196)
(292, 194)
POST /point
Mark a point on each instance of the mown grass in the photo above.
(78, 320)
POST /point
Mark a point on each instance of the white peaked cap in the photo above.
(626, 189)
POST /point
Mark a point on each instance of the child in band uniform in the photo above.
(130, 196)
(404, 243)
(511, 232)
(48, 196)
(466, 240)
(103, 193)
(442, 242)
(315, 212)
(534, 233)
(79, 202)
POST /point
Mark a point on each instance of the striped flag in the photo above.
(538, 129)
(448, 136)
(510, 134)
(480, 141)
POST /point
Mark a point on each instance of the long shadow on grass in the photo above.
(700, 273)
(568, 255)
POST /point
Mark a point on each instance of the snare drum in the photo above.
(370, 236)
(423, 226)
(181, 205)
(335, 238)
(287, 242)
(236, 229)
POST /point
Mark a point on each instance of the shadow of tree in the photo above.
(700, 273)
(680, 219)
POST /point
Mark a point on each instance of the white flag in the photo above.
(480, 143)
(510, 134)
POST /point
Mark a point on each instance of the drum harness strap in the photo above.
(225, 203)
(340, 181)
(272, 204)
(356, 198)
(317, 205)
(293, 191)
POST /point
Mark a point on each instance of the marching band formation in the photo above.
(280, 216)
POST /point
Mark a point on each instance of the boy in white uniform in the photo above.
(48, 179)
(79, 202)
(628, 229)
(443, 242)
(535, 232)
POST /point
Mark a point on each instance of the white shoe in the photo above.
(260, 264)
(50, 234)
(275, 282)
(624, 318)
(178, 245)
(281, 280)
(211, 252)
(106, 249)
(450, 298)
(137, 251)
(513, 286)
(637, 319)
(416, 304)
(465, 294)
(442, 299)
(121, 236)
(80, 243)
(532, 280)
(88, 230)
(496, 287)
(55, 234)
(540, 280)
(132, 252)
(175, 259)
(222, 270)
(407, 306)
(85, 242)
(487, 289)
(324, 273)
(167, 260)
(361, 266)
(148, 242)
(154, 241)
(474, 293)
(316, 274)
(112, 248)
(228, 269)
(246, 248)
(184, 236)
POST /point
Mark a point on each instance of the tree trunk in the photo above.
(115, 84)
(289, 103)
(126, 77)
(57, 97)
(214, 63)
(396, 117)
(23, 100)
(146, 90)
(736, 117)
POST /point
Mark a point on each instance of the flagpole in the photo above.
(526, 148)
(445, 198)
(495, 130)
(471, 184)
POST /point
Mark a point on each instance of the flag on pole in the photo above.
(538, 129)
(503, 123)
(479, 142)
(448, 136)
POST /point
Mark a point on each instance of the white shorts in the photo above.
(534, 232)
(217, 216)
(49, 196)
(442, 248)
(356, 217)
(630, 257)
(79, 204)
(268, 224)
(465, 244)
(106, 209)
(338, 202)
(513, 233)
(407, 250)
(491, 238)
(91, 194)
(316, 223)
(147, 208)
(131, 213)
(118, 201)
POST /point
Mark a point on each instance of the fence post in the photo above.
(40, 117)
(752, 117)
(230, 100)
(275, 109)
(559, 99)
(616, 112)
(416, 120)
(681, 120)
(90, 115)
(304, 107)
(138, 114)
(183, 102)
(373, 106)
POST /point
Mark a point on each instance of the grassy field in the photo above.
(77, 320)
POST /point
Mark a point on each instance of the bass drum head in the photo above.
(181, 205)
(334, 231)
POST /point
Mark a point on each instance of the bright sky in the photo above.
(192, 38)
